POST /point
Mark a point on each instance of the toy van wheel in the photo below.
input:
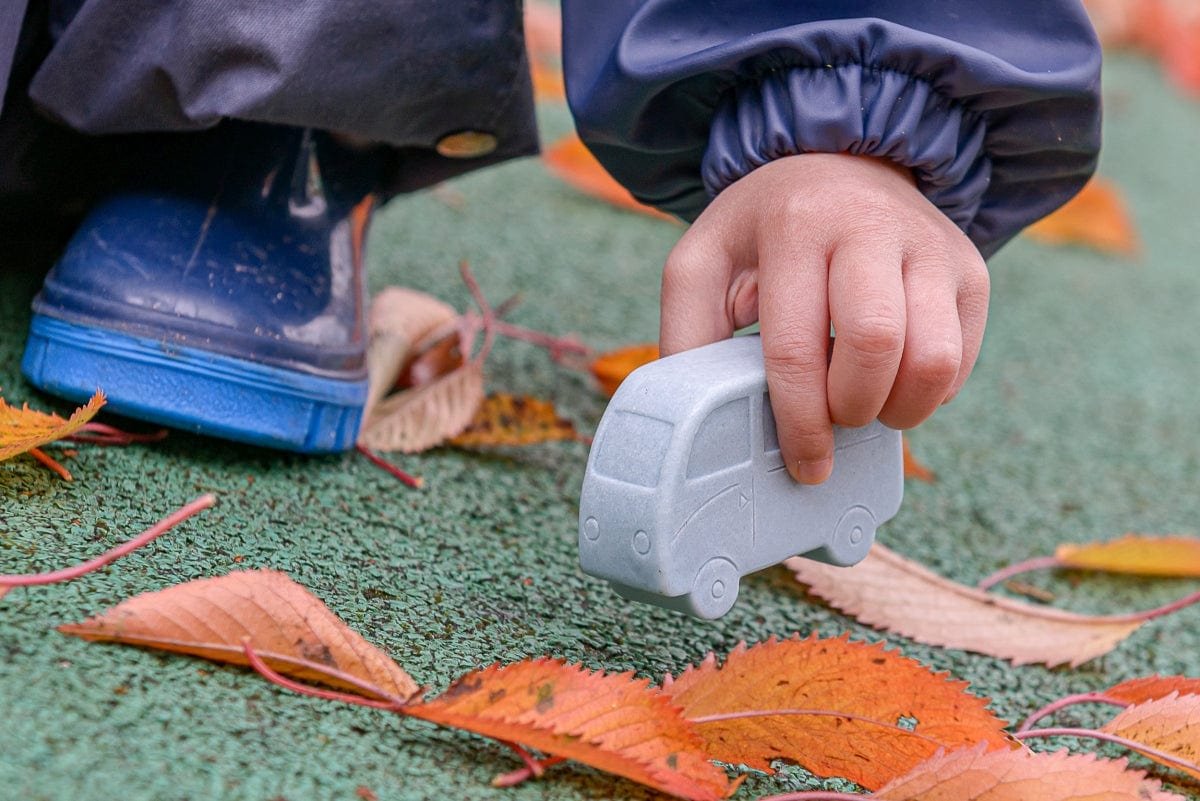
(715, 589)
(853, 537)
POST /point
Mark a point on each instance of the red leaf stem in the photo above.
(40, 455)
(390, 704)
(815, 795)
(513, 778)
(770, 713)
(416, 482)
(161, 527)
(1116, 739)
(102, 434)
(1038, 563)
(1070, 700)
(485, 311)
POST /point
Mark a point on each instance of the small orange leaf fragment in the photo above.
(890, 592)
(914, 468)
(24, 429)
(506, 419)
(286, 624)
(1138, 554)
(1151, 688)
(867, 690)
(572, 162)
(1023, 776)
(613, 722)
(1170, 724)
(611, 368)
(1096, 217)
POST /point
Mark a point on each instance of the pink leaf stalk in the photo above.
(1063, 703)
(147, 536)
(416, 482)
(1105, 737)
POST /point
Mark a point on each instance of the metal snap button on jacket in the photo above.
(466, 145)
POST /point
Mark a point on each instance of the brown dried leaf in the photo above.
(1170, 724)
(398, 321)
(890, 592)
(24, 429)
(286, 624)
(506, 419)
(615, 722)
(868, 690)
(1023, 776)
(418, 419)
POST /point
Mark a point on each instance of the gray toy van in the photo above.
(686, 492)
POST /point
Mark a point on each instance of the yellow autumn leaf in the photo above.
(1138, 554)
(22, 430)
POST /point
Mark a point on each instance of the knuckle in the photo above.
(934, 368)
(875, 339)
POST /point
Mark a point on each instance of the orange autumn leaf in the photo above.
(1151, 688)
(866, 691)
(1096, 217)
(1137, 554)
(1023, 776)
(24, 429)
(420, 418)
(611, 368)
(543, 42)
(506, 419)
(613, 722)
(914, 468)
(285, 623)
(571, 161)
(887, 591)
(1170, 725)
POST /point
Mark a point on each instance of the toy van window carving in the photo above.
(770, 435)
(633, 448)
(722, 441)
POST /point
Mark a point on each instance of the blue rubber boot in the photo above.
(224, 295)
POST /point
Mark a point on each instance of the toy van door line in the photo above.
(684, 493)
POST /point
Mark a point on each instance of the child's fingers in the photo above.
(972, 316)
(794, 318)
(867, 307)
(933, 349)
(695, 307)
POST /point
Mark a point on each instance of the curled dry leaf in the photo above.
(420, 418)
(22, 430)
(890, 592)
(865, 690)
(1095, 217)
(399, 320)
(1170, 724)
(506, 419)
(287, 625)
(1138, 554)
(571, 161)
(611, 368)
(612, 722)
(1023, 776)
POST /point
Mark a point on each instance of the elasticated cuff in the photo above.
(852, 109)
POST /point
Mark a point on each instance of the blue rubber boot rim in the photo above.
(195, 390)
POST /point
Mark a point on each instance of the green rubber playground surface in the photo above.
(1080, 423)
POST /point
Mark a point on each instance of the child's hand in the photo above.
(818, 238)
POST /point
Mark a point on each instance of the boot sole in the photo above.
(195, 390)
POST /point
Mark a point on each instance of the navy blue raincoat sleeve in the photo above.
(994, 105)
